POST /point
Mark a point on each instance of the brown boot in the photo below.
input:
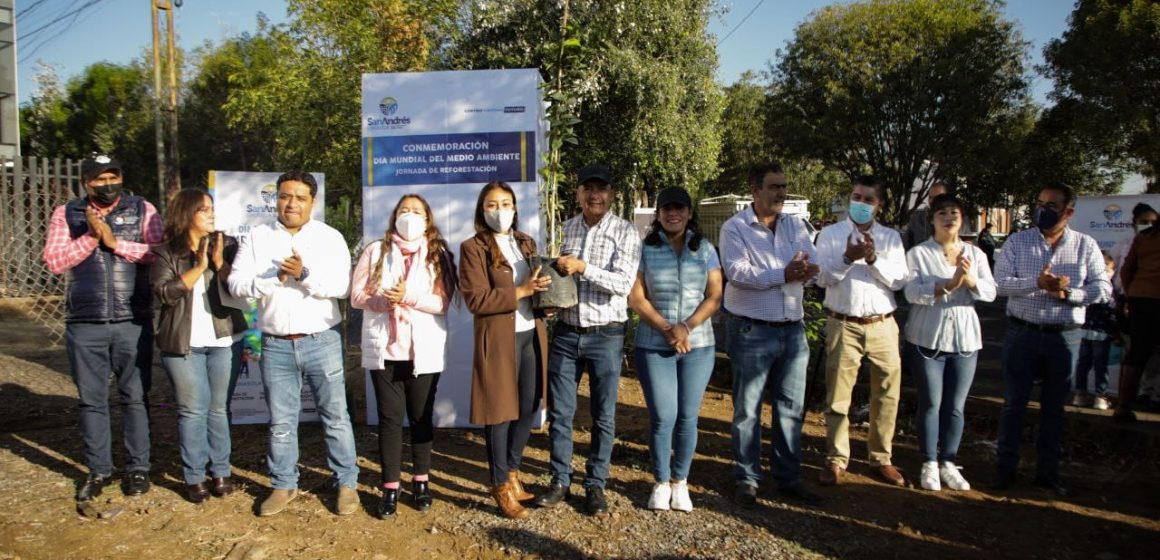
(508, 504)
(514, 481)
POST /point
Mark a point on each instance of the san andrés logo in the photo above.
(388, 107)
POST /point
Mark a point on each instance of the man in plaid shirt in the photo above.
(1049, 273)
(602, 251)
(101, 242)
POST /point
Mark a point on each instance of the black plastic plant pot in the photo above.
(561, 292)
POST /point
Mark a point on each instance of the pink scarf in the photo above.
(413, 252)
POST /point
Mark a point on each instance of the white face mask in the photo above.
(411, 226)
(500, 221)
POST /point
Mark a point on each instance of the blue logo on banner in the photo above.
(389, 106)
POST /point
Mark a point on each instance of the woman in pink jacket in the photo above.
(403, 283)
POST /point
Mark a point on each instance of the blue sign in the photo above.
(440, 159)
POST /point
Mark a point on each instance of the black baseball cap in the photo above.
(674, 195)
(595, 171)
(96, 164)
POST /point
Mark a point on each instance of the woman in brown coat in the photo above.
(509, 365)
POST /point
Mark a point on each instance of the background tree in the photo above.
(107, 108)
(640, 82)
(1107, 63)
(900, 88)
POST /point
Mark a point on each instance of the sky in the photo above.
(755, 29)
(749, 32)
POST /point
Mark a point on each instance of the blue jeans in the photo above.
(600, 352)
(1029, 354)
(1093, 355)
(124, 349)
(317, 358)
(673, 385)
(775, 357)
(943, 383)
(203, 382)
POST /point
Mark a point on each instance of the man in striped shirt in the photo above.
(1049, 273)
(602, 251)
(767, 257)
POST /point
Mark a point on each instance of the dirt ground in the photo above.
(1113, 511)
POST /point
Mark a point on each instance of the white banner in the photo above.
(242, 200)
(1109, 218)
(443, 135)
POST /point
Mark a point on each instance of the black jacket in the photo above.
(105, 287)
(174, 302)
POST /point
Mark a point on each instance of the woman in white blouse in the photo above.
(947, 276)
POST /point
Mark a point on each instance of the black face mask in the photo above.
(107, 194)
(1045, 218)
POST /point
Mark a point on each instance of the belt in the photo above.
(867, 320)
(1043, 328)
(589, 330)
(774, 324)
(287, 336)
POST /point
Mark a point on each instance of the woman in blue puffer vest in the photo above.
(678, 288)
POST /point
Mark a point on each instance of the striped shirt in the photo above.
(754, 261)
(611, 252)
(1075, 255)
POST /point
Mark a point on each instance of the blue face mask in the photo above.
(861, 212)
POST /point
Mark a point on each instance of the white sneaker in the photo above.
(681, 500)
(950, 475)
(929, 476)
(1081, 398)
(662, 494)
(1101, 403)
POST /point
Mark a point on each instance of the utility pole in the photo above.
(168, 156)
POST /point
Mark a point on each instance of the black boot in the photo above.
(389, 504)
(421, 495)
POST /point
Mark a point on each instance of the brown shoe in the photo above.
(521, 494)
(222, 486)
(831, 474)
(347, 502)
(276, 502)
(890, 475)
(197, 493)
(505, 497)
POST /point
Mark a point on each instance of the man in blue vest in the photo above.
(101, 241)
(767, 257)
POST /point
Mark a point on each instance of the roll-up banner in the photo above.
(443, 135)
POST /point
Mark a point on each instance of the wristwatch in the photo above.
(305, 273)
(846, 260)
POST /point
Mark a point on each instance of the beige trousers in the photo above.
(846, 344)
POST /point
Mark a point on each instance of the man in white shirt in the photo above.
(862, 264)
(298, 269)
(767, 256)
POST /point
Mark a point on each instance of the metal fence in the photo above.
(30, 188)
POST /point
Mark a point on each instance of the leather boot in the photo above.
(509, 506)
(521, 494)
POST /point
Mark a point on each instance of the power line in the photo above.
(29, 10)
(742, 22)
(34, 46)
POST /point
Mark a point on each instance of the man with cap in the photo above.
(602, 251)
(767, 257)
(101, 241)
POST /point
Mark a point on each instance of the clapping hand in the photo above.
(218, 256)
(396, 293)
(291, 266)
(861, 250)
(99, 229)
(800, 268)
(1056, 285)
